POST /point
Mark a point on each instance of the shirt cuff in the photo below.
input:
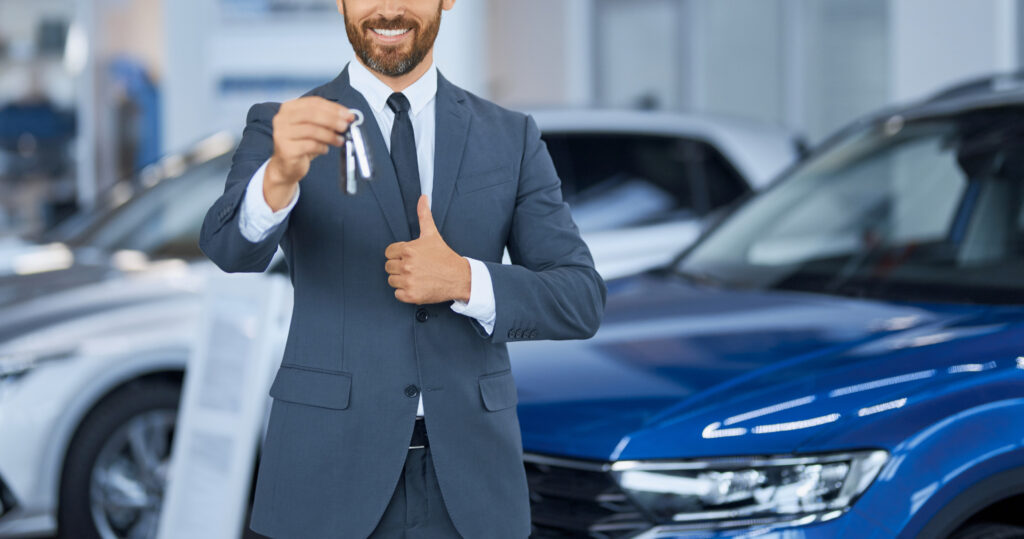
(481, 296)
(256, 219)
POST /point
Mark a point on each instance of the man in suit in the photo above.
(393, 408)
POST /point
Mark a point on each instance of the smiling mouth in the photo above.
(391, 36)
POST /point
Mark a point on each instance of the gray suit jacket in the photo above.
(356, 358)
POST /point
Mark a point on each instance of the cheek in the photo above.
(357, 10)
(427, 10)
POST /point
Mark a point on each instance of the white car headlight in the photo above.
(730, 492)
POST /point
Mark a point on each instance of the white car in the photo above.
(644, 185)
(89, 398)
(90, 376)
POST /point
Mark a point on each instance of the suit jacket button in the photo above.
(511, 333)
(422, 315)
(533, 334)
(411, 390)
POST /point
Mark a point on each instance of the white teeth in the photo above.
(390, 33)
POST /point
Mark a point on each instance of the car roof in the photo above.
(988, 92)
(758, 150)
(1006, 84)
(992, 91)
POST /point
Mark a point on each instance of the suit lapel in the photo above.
(451, 128)
(385, 183)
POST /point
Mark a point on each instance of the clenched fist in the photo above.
(304, 128)
(426, 270)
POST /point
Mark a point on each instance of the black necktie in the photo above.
(403, 155)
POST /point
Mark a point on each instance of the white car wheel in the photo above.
(115, 471)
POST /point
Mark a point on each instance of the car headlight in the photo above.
(747, 491)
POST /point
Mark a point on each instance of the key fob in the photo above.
(350, 166)
(362, 151)
(356, 156)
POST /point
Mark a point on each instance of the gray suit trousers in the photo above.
(416, 509)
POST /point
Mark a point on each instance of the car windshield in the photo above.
(926, 210)
(163, 221)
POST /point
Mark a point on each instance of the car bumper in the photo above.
(848, 526)
(17, 521)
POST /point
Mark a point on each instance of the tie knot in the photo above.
(398, 102)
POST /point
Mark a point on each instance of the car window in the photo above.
(164, 221)
(612, 180)
(905, 194)
(933, 211)
(73, 227)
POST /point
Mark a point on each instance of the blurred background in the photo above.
(94, 90)
(118, 119)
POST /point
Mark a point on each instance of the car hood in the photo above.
(40, 270)
(634, 249)
(59, 301)
(672, 359)
(37, 270)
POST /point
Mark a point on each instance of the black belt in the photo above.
(419, 434)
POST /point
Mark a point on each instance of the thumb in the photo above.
(426, 219)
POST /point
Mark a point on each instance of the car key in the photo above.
(357, 155)
(362, 151)
(350, 166)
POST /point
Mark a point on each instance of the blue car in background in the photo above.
(842, 356)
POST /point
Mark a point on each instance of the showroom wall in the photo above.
(936, 41)
(224, 56)
(809, 65)
(804, 64)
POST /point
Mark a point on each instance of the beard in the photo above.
(390, 60)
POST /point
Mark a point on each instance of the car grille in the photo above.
(578, 498)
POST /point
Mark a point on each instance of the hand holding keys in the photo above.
(303, 128)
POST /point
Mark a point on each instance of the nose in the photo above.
(390, 9)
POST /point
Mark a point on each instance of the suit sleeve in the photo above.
(220, 237)
(551, 289)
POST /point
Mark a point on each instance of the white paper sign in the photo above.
(224, 405)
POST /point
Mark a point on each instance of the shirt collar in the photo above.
(419, 93)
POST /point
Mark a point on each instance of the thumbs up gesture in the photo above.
(426, 270)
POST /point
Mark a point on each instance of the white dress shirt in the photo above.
(257, 220)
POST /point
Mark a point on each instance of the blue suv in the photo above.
(841, 356)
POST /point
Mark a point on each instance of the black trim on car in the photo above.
(7, 501)
(975, 499)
